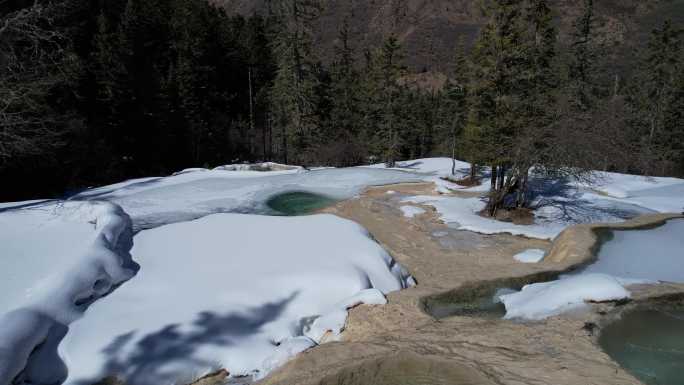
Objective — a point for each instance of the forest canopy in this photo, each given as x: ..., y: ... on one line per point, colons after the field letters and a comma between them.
x: 94, y: 92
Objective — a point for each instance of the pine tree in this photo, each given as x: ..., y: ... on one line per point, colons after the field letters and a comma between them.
x: 656, y: 100
x: 387, y: 70
x: 294, y: 88
x: 498, y: 63
x: 534, y: 138
x: 583, y: 59
x: 345, y: 136
x: 455, y: 106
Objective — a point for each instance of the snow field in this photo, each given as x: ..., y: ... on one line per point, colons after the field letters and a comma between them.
x: 244, y: 292
x: 58, y: 258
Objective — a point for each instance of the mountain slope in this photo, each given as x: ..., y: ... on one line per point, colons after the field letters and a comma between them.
x: 430, y: 29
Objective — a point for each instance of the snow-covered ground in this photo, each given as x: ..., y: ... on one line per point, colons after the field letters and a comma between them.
x: 57, y: 259
x: 541, y: 300
x: 630, y: 257
x: 242, y: 292
x: 558, y: 203
x: 153, y: 202
x: 655, y: 254
x: 245, y: 291
x: 235, y: 290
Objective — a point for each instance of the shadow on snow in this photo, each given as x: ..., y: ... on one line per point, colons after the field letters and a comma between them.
x: 166, y: 355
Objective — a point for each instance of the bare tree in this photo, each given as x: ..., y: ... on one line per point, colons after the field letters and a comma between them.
x: 33, y: 60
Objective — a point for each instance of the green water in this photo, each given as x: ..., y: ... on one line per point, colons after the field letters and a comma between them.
x: 467, y: 303
x: 298, y: 203
x: 649, y: 344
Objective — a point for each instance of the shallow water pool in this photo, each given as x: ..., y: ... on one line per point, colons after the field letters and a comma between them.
x: 649, y: 344
x: 298, y: 203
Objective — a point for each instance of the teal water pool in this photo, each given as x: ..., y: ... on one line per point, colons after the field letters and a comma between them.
x: 298, y: 203
x: 649, y: 344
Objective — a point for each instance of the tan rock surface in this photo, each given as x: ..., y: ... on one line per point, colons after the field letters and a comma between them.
x: 379, y: 339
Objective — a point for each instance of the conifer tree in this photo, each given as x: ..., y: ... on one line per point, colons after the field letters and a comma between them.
x: 455, y: 106
x: 656, y: 99
x: 345, y: 136
x: 534, y: 138
x: 498, y: 62
x: 387, y: 70
x: 293, y: 92
x: 583, y: 59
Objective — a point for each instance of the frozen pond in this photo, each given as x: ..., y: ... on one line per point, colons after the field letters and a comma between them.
x: 649, y: 344
x: 653, y: 254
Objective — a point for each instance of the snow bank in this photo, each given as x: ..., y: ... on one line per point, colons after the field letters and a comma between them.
x: 530, y: 256
x: 264, y: 166
x: 435, y: 170
x: 57, y: 260
x: 462, y: 213
x: 558, y: 203
x: 334, y: 321
x: 553, y: 214
x: 188, y: 196
x: 243, y: 292
x: 411, y: 211
x: 625, y: 185
x: 541, y: 300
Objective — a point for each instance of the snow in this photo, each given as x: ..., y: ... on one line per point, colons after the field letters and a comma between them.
x: 245, y: 292
x: 57, y: 259
x: 60, y: 257
x: 541, y: 300
x: 530, y: 256
x: 435, y: 170
x: 188, y: 196
x: 649, y: 254
x: 334, y: 320
x: 411, y: 211
x: 463, y: 214
x: 557, y: 203
x: 625, y: 185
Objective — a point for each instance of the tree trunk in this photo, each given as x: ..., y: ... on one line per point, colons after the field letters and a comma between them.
x: 252, y: 131
x: 502, y: 177
x: 521, y: 200
x: 284, y: 139
x: 453, y: 152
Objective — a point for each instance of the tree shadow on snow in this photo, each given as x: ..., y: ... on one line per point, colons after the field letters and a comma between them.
x: 571, y: 205
x: 164, y: 356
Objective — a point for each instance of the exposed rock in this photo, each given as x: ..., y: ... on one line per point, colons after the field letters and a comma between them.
x: 215, y: 378
x: 401, y: 338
